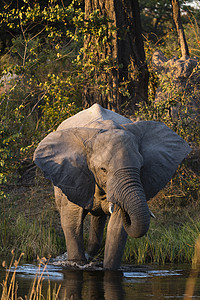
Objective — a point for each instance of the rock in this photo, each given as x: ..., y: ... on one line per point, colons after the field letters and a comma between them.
x: 180, y: 83
x: 7, y: 81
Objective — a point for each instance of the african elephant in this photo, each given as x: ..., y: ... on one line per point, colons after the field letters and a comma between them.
x: 103, y: 164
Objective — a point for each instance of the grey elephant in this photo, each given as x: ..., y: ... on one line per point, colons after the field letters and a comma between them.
x: 104, y: 164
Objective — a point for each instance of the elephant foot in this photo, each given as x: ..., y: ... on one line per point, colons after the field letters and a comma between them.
x: 95, y: 265
x: 80, y: 266
x: 76, y: 255
x: 75, y: 264
x: 80, y: 262
x: 72, y: 264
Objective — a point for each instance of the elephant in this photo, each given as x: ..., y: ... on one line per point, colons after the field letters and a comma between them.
x: 104, y: 164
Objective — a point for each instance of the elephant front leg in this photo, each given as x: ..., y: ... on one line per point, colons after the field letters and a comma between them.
x: 115, y: 241
x: 72, y: 217
x: 97, y: 224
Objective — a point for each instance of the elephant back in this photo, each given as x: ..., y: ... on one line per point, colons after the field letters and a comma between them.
x: 92, y: 118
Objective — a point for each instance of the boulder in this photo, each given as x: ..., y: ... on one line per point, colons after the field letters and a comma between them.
x: 179, y: 83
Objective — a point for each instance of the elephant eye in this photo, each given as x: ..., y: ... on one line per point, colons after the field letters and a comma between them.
x: 103, y: 169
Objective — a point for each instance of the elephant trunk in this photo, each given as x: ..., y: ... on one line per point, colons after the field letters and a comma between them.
x: 126, y: 190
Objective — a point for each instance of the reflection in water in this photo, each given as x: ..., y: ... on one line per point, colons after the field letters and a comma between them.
x: 131, y: 282
x: 93, y: 285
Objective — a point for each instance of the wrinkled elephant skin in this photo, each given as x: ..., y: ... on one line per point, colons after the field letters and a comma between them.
x: 103, y: 164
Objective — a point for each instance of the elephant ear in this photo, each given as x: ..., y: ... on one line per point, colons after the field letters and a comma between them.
x: 162, y: 150
x: 62, y: 157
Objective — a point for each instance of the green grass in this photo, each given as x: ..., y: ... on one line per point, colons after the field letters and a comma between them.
x: 30, y: 237
x: 30, y: 223
x: 164, y: 244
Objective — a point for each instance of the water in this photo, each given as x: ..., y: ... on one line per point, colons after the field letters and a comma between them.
x: 130, y: 282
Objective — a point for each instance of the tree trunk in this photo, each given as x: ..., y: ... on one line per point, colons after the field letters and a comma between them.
x: 127, y: 80
x: 179, y: 28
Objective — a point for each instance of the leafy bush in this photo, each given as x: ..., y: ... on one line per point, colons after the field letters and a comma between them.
x: 50, y: 66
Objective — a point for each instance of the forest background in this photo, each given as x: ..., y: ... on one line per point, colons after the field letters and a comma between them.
x: 43, y: 76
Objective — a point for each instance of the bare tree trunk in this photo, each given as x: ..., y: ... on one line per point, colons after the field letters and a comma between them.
x: 179, y: 28
x: 126, y: 50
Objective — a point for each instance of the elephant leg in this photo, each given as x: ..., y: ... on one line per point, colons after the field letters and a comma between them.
x: 72, y: 217
x: 97, y: 225
x: 115, y: 241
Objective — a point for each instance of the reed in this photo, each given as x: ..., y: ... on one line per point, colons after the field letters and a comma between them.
x: 10, y: 285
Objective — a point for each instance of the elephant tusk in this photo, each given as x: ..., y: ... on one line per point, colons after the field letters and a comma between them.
x: 111, y: 208
x: 152, y: 215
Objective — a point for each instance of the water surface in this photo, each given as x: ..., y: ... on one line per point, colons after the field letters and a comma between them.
x: 130, y: 282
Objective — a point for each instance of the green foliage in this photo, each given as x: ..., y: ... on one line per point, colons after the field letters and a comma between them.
x: 9, y: 150
x: 156, y: 17
x: 46, y: 70
x: 42, y: 91
x: 192, y: 29
x: 154, y: 14
x: 95, y: 61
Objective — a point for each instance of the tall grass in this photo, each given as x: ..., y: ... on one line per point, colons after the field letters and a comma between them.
x: 10, y: 286
x: 30, y: 237
x: 30, y: 223
x: 164, y: 244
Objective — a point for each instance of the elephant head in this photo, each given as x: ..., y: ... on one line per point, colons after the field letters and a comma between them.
x: 131, y: 163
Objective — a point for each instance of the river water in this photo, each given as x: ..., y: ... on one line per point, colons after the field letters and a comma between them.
x: 130, y: 282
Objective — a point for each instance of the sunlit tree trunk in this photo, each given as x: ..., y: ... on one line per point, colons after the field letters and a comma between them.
x: 127, y: 50
x: 179, y: 28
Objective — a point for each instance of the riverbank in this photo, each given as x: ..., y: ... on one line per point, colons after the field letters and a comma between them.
x: 30, y: 224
